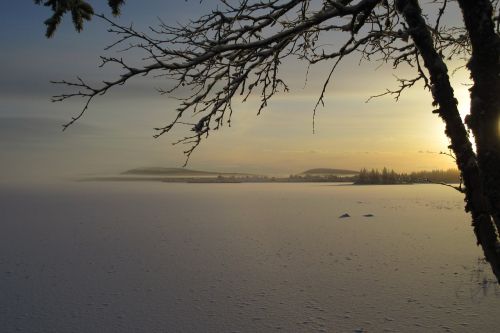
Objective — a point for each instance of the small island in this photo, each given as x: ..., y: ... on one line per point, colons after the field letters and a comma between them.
x: 321, y: 175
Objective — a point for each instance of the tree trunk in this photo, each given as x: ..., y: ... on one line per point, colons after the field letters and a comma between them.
x: 484, y: 118
x: 442, y: 92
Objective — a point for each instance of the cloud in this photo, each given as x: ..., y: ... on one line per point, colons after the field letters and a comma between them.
x: 38, y: 131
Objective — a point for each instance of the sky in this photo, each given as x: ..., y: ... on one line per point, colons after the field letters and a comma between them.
x: 116, y: 132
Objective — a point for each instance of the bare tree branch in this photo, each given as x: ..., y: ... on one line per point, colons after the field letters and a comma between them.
x: 238, y: 50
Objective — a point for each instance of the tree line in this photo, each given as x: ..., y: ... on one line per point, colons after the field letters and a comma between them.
x: 386, y: 176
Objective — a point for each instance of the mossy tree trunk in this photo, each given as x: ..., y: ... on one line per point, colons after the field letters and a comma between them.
x: 484, y: 118
x: 476, y: 190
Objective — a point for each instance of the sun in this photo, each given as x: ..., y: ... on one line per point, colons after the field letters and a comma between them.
x: 463, y: 96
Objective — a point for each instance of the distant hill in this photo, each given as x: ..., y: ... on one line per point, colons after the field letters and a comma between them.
x: 177, y: 172
x: 327, y: 171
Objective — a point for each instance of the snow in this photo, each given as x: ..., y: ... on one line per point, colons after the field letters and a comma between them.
x: 121, y: 257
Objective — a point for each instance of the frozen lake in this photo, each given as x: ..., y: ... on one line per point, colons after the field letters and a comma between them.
x: 153, y: 257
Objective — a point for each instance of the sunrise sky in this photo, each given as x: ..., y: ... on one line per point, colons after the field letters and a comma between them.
x: 116, y: 133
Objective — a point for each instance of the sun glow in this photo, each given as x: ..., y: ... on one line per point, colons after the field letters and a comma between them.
x: 498, y: 128
x: 463, y: 96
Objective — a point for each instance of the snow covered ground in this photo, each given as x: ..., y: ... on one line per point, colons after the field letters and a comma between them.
x: 153, y: 257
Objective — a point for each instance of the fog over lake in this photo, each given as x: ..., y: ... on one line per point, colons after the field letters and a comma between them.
x: 155, y: 257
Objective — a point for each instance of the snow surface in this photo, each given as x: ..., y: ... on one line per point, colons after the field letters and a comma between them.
x: 153, y: 257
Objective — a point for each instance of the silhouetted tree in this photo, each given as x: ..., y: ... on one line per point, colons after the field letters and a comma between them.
x: 374, y: 177
x: 238, y: 48
x: 393, y: 177
x: 80, y: 11
x: 385, y: 176
x: 362, y: 176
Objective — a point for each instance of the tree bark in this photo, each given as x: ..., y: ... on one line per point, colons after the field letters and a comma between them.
x: 484, y: 118
x: 442, y: 92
